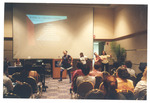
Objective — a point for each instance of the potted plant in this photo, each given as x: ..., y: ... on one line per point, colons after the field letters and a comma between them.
x: 119, y: 52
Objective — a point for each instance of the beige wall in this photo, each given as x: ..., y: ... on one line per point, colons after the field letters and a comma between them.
x: 129, y: 20
x: 103, y: 23
x: 136, y: 47
x: 139, y: 43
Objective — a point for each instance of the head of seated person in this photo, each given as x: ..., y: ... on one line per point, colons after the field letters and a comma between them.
x: 26, y: 69
x: 79, y: 65
x: 128, y: 64
x: 97, y: 66
x: 122, y: 72
x: 5, y: 68
x: 110, y: 86
x: 96, y: 70
x: 142, y: 66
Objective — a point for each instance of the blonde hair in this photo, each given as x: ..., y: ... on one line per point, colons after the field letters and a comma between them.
x: 144, y: 75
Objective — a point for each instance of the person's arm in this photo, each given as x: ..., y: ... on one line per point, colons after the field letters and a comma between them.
x: 9, y: 85
x: 60, y: 62
x: 109, y: 56
x: 71, y: 60
x: 95, y: 60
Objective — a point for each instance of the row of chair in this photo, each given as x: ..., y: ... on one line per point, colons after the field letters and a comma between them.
x: 25, y: 88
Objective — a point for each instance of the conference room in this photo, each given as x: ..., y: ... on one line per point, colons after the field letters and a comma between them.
x: 75, y: 51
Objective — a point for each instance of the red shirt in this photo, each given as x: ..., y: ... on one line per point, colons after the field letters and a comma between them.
x: 75, y: 74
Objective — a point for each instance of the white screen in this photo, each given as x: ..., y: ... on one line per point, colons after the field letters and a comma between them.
x: 45, y: 31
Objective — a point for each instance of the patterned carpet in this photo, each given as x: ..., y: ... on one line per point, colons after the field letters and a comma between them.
x: 56, y: 89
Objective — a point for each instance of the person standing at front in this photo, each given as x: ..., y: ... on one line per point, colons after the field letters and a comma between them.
x: 105, y: 64
x: 67, y: 62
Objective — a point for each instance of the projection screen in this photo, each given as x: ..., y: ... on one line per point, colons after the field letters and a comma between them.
x: 45, y: 31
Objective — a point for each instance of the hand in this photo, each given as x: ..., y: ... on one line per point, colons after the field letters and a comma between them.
x: 71, y: 63
x: 59, y: 64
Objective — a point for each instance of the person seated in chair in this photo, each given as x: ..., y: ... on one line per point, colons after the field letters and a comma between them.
x: 76, y: 73
x: 122, y: 78
x: 142, y: 67
x: 141, y: 87
x: 129, y: 68
x: 6, y: 80
x: 86, y: 77
x: 109, y: 87
x: 96, y: 70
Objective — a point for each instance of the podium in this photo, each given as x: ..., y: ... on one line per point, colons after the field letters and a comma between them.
x: 56, y: 70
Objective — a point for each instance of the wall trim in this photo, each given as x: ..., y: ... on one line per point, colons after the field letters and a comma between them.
x: 8, y: 38
x: 124, y: 37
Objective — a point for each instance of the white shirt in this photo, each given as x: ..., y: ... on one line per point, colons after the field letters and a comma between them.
x: 140, y: 86
x: 7, y: 83
x: 88, y: 78
x: 83, y: 59
x: 131, y: 71
x: 104, y: 58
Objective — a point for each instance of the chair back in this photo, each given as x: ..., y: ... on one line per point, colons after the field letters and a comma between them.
x: 95, y: 94
x: 32, y: 82
x: 129, y: 95
x: 98, y: 81
x: 16, y: 77
x: 142, y: 95
x: 23, y: 90
x: 10, y: 95
x: 84, y: 87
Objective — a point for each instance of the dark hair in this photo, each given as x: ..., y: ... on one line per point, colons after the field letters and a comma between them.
x: 128, y: 64
x: 122, y: 72
x: 86, y: 68
x: 142, y: 66
x: 95, y: 94
x: 5, y: 67
x: 81, y: 53
x: 110, y: 82
x: 105, y: 53
x: 116, y: 65
x: 79, y: 65
x: 110, y: 85
x: 97, y: 65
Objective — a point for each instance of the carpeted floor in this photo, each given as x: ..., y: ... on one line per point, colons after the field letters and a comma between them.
x: 56, y: 89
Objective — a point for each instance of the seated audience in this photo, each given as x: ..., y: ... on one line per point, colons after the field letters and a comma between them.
x: 7, y: 61
x: 86, y: 77
x: 96, y: 70
x: 27, y: 71
x: 141, y: 87
x: 109, y: 87
x: 142, y: 67
x: 105, y: 74
x: 6, y: 80
x: 122, y: 78
x: 114, y: 68
x: 129, y: 68
x: 76, y: 73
